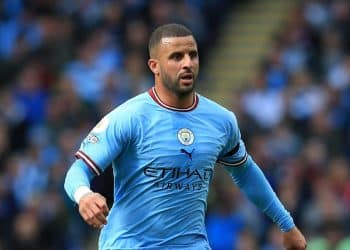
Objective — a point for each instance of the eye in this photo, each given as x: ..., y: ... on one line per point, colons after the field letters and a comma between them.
x: 193, y: 54
x: 176, y: 56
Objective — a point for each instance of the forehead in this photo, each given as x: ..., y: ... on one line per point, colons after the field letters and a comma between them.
x: 170, y: 44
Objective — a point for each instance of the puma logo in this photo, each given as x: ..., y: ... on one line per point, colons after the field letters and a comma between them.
x: 189, y: 154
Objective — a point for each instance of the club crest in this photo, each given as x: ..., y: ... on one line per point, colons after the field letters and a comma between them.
x: 91, y: 138
x: 185, y: 136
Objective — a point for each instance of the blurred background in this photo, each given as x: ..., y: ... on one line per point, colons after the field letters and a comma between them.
x: 282, y: 66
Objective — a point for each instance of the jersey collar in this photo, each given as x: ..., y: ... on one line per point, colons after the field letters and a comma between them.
x: 152, y: 92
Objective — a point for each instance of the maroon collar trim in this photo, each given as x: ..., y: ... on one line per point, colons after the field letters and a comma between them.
x: 152, y: 92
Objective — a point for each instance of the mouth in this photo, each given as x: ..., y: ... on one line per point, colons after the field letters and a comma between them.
x: 187, y: 78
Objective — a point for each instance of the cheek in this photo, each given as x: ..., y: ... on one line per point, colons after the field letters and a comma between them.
x: 196, y: 62
x: 172, y: 68
x: 196, y: 67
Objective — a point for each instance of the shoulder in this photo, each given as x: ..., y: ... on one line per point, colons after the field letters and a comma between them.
x: 125, y: 115
x: 133, y: 106
x: 213, y: 108
x: 221, y: 118
x: 218, y: 115
x: 132, y: 112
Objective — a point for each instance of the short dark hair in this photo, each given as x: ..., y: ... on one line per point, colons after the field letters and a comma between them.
x: 167, y: 30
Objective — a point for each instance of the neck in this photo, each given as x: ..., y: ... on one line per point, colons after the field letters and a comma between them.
x: 174, y: 100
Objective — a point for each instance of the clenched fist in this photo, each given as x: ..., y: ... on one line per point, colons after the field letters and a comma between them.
x: 294, y: 240
x: 94, y: 210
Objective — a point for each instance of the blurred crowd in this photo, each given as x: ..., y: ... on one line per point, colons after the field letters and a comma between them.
x: 64, y: 64
x: 294, y: 114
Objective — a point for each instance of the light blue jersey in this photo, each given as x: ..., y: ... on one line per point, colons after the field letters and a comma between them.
x: 163, y: 160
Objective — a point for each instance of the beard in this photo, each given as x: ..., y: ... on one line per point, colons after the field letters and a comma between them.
x: 175, y: 87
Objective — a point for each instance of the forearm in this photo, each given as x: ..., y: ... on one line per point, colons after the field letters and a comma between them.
x: 251, y: 180
x: 78, y: 176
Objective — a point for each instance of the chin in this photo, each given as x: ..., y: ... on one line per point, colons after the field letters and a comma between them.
x: 187, y: 86
x: 186, y: 89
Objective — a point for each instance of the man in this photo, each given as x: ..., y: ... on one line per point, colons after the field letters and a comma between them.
x: 163, y: 146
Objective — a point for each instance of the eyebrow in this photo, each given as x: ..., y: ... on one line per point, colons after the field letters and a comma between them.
x: 175, y: 53
x: 181, y: 52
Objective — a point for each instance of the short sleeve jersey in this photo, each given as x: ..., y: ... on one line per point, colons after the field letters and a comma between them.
x: 163, y: 160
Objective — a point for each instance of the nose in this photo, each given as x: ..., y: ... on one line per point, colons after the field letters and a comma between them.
x: 187, y: 62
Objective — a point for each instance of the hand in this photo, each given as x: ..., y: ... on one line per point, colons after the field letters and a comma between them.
x: 294, y: 240
x: 94, y: 210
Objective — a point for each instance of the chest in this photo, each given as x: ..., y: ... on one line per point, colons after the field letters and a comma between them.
x: 177, y: 140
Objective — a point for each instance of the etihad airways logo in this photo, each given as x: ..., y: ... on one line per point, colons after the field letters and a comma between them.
x: 179, y: 179
x: 175, y: 173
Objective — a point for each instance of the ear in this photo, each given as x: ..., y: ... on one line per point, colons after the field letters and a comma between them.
x: 154, y: 66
